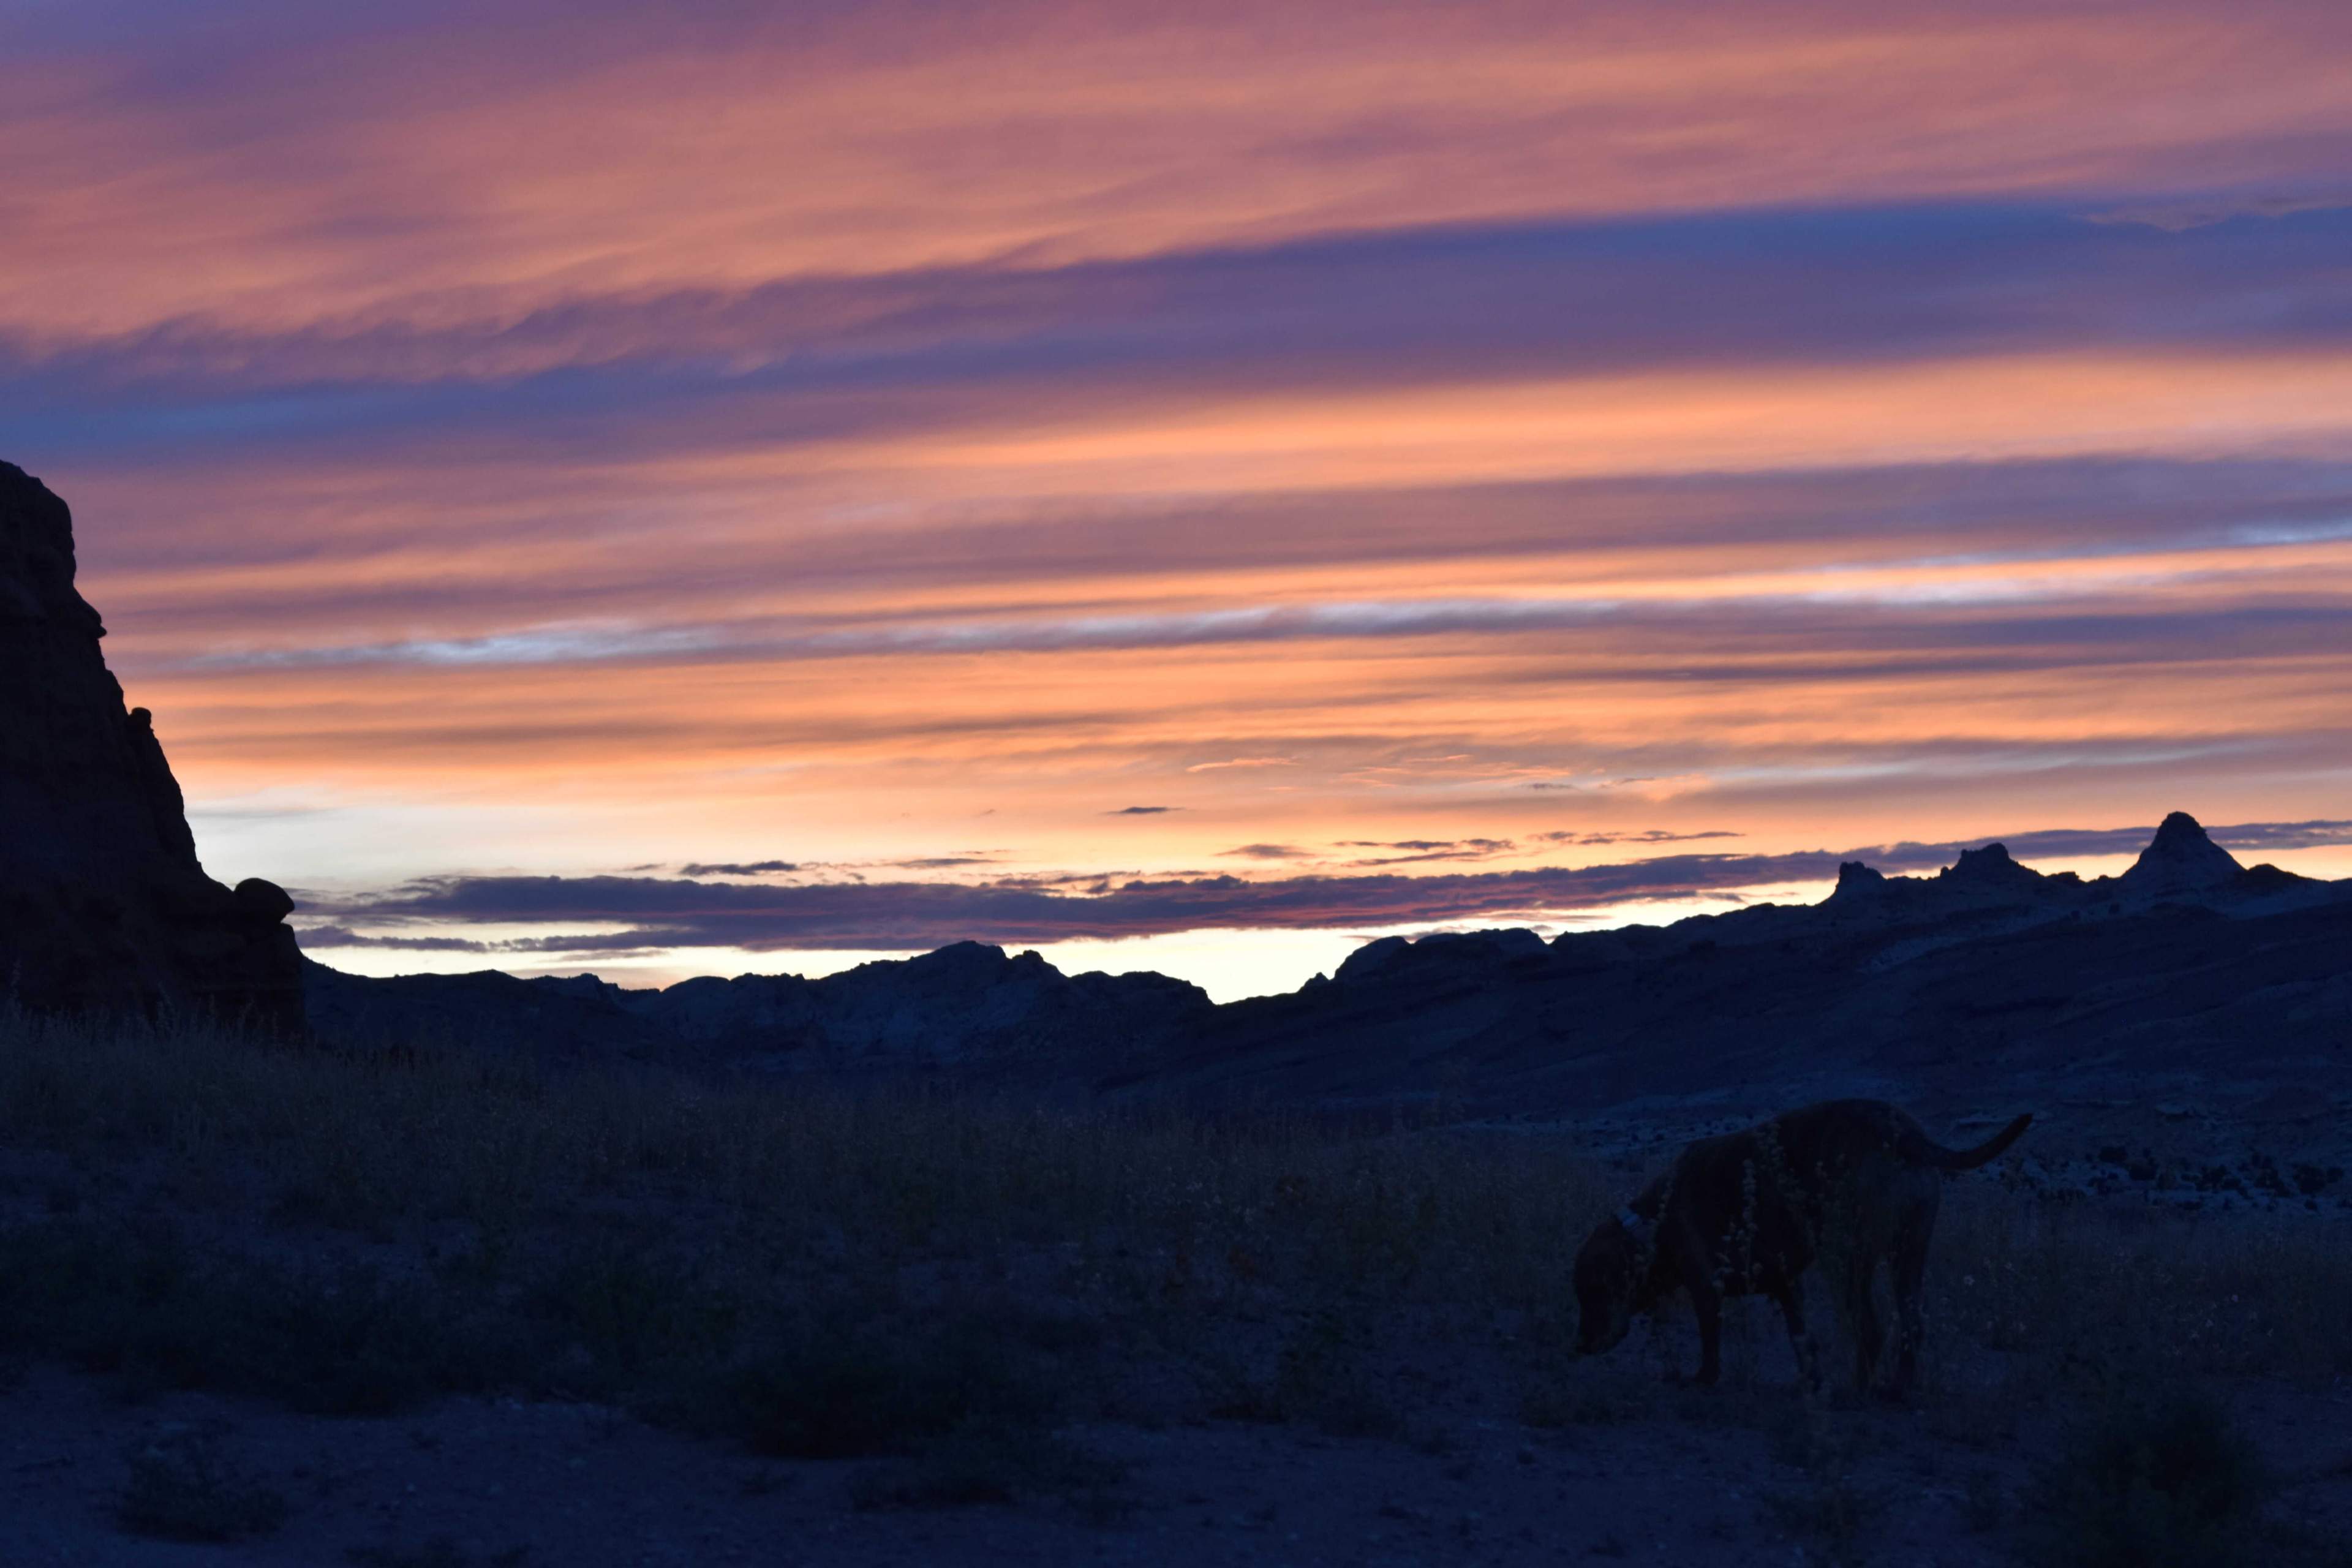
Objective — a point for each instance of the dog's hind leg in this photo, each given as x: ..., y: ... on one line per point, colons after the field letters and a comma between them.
x: 1790, y: 1295
x: 1908, y: 1266
x: 1862, y: 1316
x: 1708, y: 1302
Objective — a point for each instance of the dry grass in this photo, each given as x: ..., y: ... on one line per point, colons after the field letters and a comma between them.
x: 395, y: 1146
x: 2103, y: 1292
x: 353, y: 1231
x: 815, y: 1274
x: 181, y: 1488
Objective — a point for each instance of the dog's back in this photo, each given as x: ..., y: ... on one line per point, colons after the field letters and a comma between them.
x: 1835, y: 1143
x: 1789, y: 1172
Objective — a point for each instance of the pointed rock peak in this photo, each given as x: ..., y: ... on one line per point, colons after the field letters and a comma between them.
x: 1856, y: 880
x: 2179, y: 828
x: 1990, y: 866
x: 2181, y: 858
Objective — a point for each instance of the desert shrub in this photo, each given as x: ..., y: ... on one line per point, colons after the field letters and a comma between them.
x: 1321, y: 1371
x: 137, y: 1300
x: 357, y: 1343
x: 2152, y: 1482
x: 88, y: 1292
x: 181, y: 1488
x: 832, y: 1387
x: 632, y: 1310
x: 1831, y: 1513
x: 1324, y: 1375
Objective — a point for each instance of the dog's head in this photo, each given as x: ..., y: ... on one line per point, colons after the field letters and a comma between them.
x: 1608, y: 1270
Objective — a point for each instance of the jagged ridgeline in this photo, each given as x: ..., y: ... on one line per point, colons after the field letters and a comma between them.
x: 103, y: 906
x: 2189, y: 980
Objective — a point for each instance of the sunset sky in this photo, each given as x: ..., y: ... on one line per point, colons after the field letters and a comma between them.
x: 714, y: 487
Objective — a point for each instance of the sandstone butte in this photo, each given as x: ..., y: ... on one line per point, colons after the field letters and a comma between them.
x: 103, y: 905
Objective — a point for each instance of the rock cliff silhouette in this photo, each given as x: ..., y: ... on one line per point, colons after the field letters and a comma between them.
x: 103, y: 904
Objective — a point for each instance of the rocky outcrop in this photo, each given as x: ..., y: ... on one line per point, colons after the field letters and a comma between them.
x: 2181, y: 859
x: 103, y: 905
x: 1991, y: 874
x: 1859, y: 886
x: 966, y: 1004
x: 1459, y: 952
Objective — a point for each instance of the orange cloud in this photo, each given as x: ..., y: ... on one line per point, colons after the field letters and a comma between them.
x: 316, y: 180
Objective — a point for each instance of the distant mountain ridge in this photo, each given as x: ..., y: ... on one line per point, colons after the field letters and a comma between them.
x: 2182, y: 1032
x: 965, y: 1005
x: 2188, y: 976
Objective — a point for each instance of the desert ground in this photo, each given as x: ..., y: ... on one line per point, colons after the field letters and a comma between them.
x: 266, y: 1303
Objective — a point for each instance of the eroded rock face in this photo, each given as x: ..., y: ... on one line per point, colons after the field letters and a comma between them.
x: 103, y: 905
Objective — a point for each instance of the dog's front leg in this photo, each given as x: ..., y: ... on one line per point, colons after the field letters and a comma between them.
x: 1708, y: 1302
x: 1791, y: 1297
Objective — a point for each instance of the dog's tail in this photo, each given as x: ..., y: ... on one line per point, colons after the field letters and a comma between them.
x: 1922, y: 1149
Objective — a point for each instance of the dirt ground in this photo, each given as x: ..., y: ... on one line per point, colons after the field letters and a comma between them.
x: 1638, y: 1472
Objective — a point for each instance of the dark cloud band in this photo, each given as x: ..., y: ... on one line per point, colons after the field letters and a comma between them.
x: 899, y: 916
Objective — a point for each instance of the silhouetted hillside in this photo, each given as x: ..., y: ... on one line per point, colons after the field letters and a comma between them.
x: 965, y: 1007
x: 2189, y: 989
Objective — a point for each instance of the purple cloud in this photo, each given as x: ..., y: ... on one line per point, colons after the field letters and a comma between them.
x: 908, y: 915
